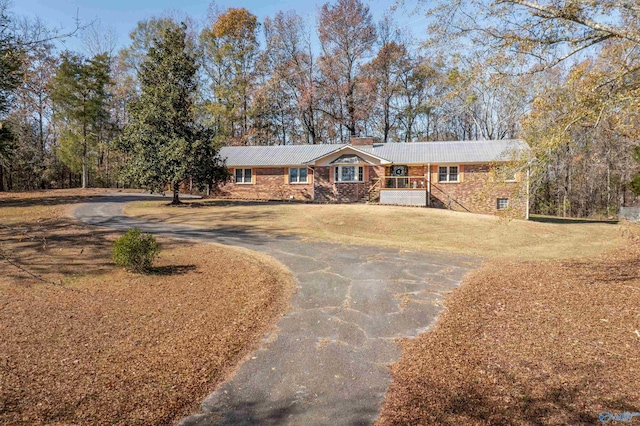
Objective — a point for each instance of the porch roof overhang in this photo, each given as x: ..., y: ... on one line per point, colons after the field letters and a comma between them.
x: 366, y: 157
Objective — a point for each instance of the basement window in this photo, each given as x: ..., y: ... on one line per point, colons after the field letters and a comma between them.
x: 298, y: 175
x: 348, y: 174
x: 448, y: 174
x: 503, y: 203
x: 243, y: 176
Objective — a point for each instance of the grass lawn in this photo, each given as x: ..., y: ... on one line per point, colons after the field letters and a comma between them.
x: 546, y: 332
x: 84, y: 342
x: 396, y: 227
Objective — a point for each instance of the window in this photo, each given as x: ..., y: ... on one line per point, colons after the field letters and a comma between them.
x: 448, y: 174
x: 443, y: 175
x: 298, y: 175
x: 503, y: 203
x: 453, y: 173
x: 243, y: 176
x: 348, y: 174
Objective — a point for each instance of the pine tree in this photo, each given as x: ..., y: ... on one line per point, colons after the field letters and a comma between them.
x: 80, y: 97
x: 163, y: 142
x: 9, y: 59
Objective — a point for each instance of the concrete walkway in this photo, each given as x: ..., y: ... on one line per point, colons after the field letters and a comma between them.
x: 327, y: 362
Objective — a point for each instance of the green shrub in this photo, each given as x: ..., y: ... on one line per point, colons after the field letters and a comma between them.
x: 135, y: 251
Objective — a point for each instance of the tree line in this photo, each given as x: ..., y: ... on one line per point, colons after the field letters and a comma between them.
x: 558, y: 75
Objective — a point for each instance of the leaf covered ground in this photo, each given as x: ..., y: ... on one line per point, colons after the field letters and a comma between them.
x: 531, y: 343
x: 84, y: 342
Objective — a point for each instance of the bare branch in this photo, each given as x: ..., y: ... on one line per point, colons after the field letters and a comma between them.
x: 569, y: 15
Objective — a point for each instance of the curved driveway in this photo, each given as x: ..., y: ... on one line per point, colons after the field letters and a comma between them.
x: 327, y: 361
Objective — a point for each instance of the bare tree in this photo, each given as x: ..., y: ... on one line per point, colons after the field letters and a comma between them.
x: 347, y: 35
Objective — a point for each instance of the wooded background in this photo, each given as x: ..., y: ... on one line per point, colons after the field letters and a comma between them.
x: 561, y: 75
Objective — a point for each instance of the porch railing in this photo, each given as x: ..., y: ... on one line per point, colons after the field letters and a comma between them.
x: 405, y: 182
x: 374, y: 190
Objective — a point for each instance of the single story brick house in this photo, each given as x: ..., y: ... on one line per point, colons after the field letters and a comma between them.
x: 451, y: 175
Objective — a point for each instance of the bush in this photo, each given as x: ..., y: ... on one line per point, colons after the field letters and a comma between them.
x: 135, y: 251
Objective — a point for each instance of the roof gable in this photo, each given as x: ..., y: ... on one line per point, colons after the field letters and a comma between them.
x: 348, y: 159
x: 328, y: 158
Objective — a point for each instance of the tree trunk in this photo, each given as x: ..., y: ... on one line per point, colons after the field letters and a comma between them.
x: 85, y: 174
x: 176, y: 193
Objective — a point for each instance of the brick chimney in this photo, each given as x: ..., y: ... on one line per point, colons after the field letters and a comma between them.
x: 364, y: 141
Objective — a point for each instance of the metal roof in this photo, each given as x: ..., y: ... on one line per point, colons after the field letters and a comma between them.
x: 275, y: 155
x: 448, y: 152
x: 398, y: 153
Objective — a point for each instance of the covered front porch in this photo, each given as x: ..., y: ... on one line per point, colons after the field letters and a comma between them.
x: 405, y: 185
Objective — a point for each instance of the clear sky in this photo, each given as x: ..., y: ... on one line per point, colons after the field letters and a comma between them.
x: 123, y: 15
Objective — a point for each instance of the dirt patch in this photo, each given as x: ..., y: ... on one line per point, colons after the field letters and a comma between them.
x: 82, y: 341
x: 527, y: 343
x: 395, y: 227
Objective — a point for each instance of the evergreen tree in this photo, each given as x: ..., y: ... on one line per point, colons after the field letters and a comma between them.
x: 9, y: 59
x: 80, y: 97
x: 9, y: 80
x: 163, y: 142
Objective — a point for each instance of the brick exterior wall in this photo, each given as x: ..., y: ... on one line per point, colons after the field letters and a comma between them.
x: 472, y: 193
x: 328, y: 191
x: 475, y: 193
x: 363, y: 141
x: 324, y: 190
x: 268, y: 184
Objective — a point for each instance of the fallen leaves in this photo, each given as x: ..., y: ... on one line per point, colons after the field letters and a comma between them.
x: 527, y: 343
x: 133, y: 349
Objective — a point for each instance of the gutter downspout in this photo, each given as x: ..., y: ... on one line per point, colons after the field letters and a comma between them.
x: 428, y: 184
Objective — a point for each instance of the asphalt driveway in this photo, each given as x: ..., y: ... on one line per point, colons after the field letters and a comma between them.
x: 327, y: 360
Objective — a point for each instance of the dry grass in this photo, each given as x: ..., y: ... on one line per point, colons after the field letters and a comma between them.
x: 522, y: 341
x: 38, y: 205
x: 111, y: 346
x: 528, y: 339
x: 396, y: 227
x: 527, y: 343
